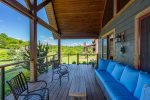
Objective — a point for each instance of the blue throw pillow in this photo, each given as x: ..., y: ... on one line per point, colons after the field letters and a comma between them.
x: 117, y: 72
x: 129, y: 78
x: 143, y: 79
x: 111, y: 66
x: 102, y: 64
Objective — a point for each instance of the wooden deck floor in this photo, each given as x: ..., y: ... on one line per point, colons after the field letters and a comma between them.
x: 58, y: 92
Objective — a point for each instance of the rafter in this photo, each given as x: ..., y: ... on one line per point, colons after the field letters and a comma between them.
x: 21, y: 9
x: 18, y: 7
x: 29, y: 5
x: 43, y: 23
x: 43, y: 4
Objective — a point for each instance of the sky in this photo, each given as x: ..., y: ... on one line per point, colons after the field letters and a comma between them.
x: 16, y: 25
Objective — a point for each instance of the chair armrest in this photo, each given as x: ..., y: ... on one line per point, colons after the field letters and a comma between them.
x: 145, y: 92
x: 66, y: 67
x: 39, y: 90
x: 31, y: 95
x: 41, y: 82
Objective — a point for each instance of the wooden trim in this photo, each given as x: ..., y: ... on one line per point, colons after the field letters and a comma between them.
x: 120, y: 12
x: 108, y: 33
x: 137, y: 35
x: 55, y: 18
x: 113, y: 31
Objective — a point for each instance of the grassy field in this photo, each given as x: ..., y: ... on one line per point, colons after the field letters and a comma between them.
x: 4, y: 54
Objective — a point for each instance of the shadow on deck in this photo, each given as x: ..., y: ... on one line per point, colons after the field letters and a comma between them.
x: 58, y: 92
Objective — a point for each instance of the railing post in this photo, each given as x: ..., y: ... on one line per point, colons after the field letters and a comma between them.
x: 87, y: 59
x: 46, y: 63
x: 3, y: 84
x: 68, y: 59
x: 77, y: 59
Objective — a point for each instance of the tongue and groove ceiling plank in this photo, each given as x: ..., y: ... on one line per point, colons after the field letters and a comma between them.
x: 76, y: 18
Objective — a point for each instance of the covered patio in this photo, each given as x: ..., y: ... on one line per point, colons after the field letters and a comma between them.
x: 121, y: 29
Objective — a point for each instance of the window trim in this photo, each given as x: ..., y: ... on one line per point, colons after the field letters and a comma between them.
x: 137, y: 36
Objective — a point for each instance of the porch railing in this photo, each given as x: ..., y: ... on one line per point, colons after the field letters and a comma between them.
x: 79, y: 58
x: 3, y: 72
x: 69, y: 59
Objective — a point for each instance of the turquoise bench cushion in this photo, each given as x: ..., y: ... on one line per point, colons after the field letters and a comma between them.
x: 143, y: 79
x: 129, y: 78
x: 117, y: 91
x: 117, y: 72
x: 102, y: 64
x: 104, y: 76
x: 111, y: 66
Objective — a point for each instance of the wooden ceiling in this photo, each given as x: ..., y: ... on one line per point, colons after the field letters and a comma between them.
x: 76, y: 18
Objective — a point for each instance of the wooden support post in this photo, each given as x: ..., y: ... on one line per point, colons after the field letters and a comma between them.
x: 3, y: 83
x: 33, y: 43
x: 59, y: 50
x: 77, y: 59
x: 68, y: 59
x: 97, y: 58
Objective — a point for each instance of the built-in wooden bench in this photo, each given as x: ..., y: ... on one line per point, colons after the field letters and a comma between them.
x: 78, y: 88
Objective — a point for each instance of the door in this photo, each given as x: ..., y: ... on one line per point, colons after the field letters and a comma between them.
x: 144, y: 26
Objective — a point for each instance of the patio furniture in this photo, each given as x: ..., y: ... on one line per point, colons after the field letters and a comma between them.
x: 59, y: 69
x: 78, y: 88
x: 20, y: 89
x: 122, y: 82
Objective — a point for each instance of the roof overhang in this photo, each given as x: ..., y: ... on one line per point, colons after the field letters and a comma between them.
x: 76, y: 19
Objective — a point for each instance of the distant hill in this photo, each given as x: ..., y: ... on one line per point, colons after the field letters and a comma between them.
x: 11, y: 43
x: 8, y: 42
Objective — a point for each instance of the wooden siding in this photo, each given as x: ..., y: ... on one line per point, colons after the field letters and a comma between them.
x: 125, y: 23
x: 58, y: 92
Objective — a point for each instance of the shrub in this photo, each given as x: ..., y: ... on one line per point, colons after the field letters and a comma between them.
x: 90, y: 62
x: 73, y: 62
x: 84, y: 62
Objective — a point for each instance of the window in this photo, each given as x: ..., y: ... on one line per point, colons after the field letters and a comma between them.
x: 121, y: 4
x: 104, y: 48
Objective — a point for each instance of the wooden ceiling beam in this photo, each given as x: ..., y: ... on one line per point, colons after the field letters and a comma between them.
x: 43, y: 23
x: 18, y: 7
x: 43, y: 4
x: 29, y: 5
x: 21, y: 9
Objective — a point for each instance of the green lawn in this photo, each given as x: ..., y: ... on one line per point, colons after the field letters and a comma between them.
x: 4, y: 54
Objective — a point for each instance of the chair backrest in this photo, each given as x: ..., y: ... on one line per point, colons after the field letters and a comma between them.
x: 18, y: 85
x: 55, y: 64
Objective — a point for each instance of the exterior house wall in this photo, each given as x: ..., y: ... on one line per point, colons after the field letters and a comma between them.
x: 125, y: 23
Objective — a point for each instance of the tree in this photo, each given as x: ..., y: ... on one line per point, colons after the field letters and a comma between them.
x: 42, y: 52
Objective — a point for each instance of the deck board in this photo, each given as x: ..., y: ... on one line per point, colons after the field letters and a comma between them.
x: 58, y: 92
